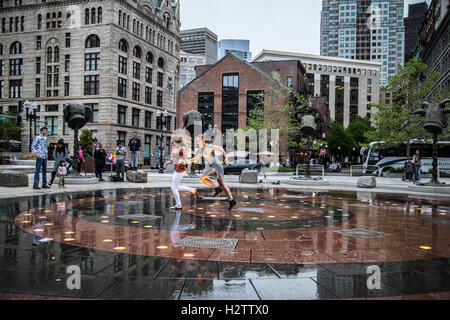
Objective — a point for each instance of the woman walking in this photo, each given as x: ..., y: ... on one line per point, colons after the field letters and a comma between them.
x: 59, y: 154
x: 417, y: 161
x: 179, y: 159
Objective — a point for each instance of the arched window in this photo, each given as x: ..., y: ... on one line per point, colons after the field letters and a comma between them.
x: 16, y: 25
x: 150, y: 57
x: 134, y: 25
x: 137, y: 52
x: 49, y: 55
x: 142, y: 29
x: 93, y: 16
x: 86, y: 16
x: 99, y: 15
x: 120, y: 17
x: 93, y: 41
x: 39, y: 22
x: 22, y: 23
x: 124, y: 20
x: 128, y: 23
x: 56, y: 54
x: 1, y: 49
x: 16, y: 48
x: 161, y: 63
x: 123, y: 45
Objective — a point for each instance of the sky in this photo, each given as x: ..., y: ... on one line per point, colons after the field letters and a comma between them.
x: 283, y: 25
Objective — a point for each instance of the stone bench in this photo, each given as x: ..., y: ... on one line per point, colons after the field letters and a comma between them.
x: 137, y: 177
x: 249, y: 176
x: 13, y: 179
x: 367, y: 182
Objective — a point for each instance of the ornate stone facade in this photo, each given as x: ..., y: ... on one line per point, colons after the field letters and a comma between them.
x: 78, y: 50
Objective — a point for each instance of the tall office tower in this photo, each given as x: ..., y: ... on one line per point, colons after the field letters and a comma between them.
x: 416, y: 16
x: 201, y: 42
x: 119, y: 57
x: 241, y: 48
x: 364, y: 30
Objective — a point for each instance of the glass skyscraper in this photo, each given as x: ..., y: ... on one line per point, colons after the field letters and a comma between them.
x: 364, y: 30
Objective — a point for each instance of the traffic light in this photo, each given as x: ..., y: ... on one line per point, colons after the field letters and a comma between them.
x: 20, y: 107
x: 19, y: 113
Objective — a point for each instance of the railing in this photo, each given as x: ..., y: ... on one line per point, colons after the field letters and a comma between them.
x: 442, y: 169
x: 364, y: 169
x: 313, y: 167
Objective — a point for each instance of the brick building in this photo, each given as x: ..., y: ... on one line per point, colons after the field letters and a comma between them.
x: 224, y: 92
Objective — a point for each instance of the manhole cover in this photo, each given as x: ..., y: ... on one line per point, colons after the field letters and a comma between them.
x: 210, y: 243
x: 361, y: 233
x: 138, y: 217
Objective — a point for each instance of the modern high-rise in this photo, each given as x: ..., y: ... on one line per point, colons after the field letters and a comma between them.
x: 188, y: 62
x: 119, y: 57
x: 413, y: 23
x: 364, y: 30
x: 241, y: 48
x: 201, y: 42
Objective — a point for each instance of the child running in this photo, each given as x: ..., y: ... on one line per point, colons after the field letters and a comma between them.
x: 213, y: 167
x: 179, y: 159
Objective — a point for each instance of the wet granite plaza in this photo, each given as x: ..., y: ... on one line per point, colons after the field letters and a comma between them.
x: 281, y: 244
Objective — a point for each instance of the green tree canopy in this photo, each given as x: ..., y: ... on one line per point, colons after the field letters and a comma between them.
x: 396, y: 123
x: 358, y: 129
x: 9, y: 130
x: 340, y: 138
x: 86, y: 142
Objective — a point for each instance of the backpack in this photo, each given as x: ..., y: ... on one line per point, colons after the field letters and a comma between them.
x: 115, y: 178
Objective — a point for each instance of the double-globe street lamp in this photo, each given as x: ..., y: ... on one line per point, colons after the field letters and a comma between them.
x: 31, y: 117
x: 161, y: 119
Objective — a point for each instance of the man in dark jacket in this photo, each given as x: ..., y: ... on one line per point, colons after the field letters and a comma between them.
x: 100, y: 161
x: 134, y: 147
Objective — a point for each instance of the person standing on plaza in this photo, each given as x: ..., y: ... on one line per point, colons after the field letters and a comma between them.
x: 59, y: 154
x: 39, y: 148
x: 120, y: 162
x: 134, y: 146
x: 213, y: 167
x: 179, y: 159
x: 62, y: 173
x: 417, y: 161
x: 80, y: 159
x: 100, y: 161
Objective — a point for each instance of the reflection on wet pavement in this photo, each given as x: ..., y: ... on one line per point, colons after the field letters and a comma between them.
x: 287, y: 249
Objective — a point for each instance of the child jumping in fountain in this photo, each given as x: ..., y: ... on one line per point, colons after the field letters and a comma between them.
x: 213, y: 167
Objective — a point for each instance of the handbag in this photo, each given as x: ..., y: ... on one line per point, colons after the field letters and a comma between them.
x: 180, y: 167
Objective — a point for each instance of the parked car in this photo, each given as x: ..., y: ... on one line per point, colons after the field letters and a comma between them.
x: 10, y: 146
x: 236, y: 167
x: 335, y: 167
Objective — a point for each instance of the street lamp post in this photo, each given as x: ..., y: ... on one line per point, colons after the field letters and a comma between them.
x: 31, y: 117
x: 162, y: 120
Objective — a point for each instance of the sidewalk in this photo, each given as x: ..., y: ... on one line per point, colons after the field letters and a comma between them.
x: 155, y: 180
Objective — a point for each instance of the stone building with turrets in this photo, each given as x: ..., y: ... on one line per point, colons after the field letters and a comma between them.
x: 119, y: 56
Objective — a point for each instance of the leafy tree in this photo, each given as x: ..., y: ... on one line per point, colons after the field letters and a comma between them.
x: 9, y: 130
x: 396, y: 123
x: 86, y: 142
x: 340, y: 141
x: 358, y: 129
